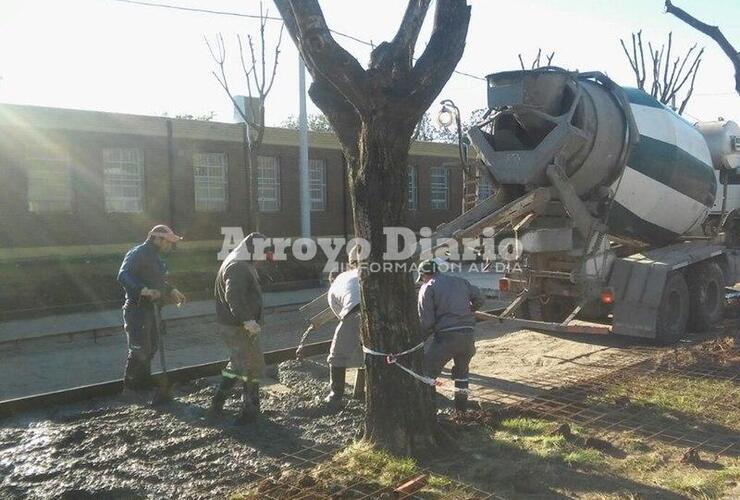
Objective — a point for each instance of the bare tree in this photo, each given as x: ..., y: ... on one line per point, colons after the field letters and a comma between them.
x: 536, y: 62
x: 712, y: 32
x: 259, y: 74
x: 374, y: 112
x: 666, y: 79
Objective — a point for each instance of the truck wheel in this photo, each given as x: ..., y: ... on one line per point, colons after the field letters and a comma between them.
x: 706, y: 283
x: 673, y: 313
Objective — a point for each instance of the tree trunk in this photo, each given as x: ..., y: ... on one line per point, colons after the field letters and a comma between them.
x: 400, y: 417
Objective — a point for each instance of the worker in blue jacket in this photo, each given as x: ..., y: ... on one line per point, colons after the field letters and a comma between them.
x: 143, y: 275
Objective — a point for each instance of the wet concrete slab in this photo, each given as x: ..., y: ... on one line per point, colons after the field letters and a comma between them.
x: 26, y: 329
x: 59, y: 362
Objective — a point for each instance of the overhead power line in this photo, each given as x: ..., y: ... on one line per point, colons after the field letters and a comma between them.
x: 255, y: 16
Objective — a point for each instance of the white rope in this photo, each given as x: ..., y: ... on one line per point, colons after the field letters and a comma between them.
x: 392, y: 359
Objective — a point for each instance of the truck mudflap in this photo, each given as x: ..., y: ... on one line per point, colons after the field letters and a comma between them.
x: 573, y: 326
x: 638, y: 282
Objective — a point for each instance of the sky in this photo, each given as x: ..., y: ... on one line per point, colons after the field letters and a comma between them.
x: 109, y: 55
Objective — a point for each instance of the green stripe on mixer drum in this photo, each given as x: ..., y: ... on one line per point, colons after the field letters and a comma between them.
x: 637, y: 96
x: 675, y: 168
x: 626, y: 224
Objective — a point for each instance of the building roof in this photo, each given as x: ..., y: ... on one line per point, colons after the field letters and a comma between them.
x: 41, y: 117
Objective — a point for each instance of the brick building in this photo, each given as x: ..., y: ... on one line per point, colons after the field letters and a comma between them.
x: 71, y: 178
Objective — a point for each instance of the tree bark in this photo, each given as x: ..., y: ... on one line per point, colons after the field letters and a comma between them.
x: 373, y: 113
x: 400, y: 412
x: 712, y: 32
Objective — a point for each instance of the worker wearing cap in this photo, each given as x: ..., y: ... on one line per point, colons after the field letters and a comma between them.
x: 239, y: 322
x: 446, y: 311
x: 143, y: 275
x: 346, y: 347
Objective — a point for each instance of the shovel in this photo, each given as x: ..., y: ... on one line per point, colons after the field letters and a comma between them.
x: 162, y: 394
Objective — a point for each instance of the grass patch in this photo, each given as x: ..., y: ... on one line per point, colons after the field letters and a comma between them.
x: 674, y: 394
x: 361, y: 460
x: 523, y: 426
x: 703, y: 485
x: 583, y: 457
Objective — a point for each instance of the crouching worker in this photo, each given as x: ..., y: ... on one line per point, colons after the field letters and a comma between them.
x: 446, y: 310
x: 143, y: 275
x: 239, y: 317
x: 346, y: 347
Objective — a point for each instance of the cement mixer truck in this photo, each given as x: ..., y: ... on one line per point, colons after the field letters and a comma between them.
x: 606, y: 191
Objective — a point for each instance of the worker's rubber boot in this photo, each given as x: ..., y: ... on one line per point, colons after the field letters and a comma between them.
x: 255, y: 396
x: 248, y: 413
x: 461, y: 395
x: 136, y: 377
x: 336, y: 384
x: 359, y: 392
x: 221, y: 395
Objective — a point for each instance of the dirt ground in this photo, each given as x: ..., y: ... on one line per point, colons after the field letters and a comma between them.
x: 119, y: 448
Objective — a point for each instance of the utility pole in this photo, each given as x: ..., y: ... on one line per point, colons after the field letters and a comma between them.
x: 303, y: 152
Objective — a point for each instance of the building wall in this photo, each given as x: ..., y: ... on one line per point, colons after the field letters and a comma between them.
x: 81, y: 136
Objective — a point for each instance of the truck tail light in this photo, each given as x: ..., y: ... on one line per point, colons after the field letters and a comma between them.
x: 503, y: 285
x: 607, y: 296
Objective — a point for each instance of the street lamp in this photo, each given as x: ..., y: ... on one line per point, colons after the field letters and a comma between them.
x: 448, y: 113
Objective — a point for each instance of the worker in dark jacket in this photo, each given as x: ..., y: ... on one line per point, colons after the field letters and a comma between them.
x: 446, y: 310
x: 239, y: 322
x: 143, y: 275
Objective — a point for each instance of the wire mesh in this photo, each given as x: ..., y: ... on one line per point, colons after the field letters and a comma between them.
x: 574, y: 396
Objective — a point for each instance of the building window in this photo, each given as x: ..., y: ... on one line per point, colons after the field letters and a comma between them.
x: 317, y: 184
x: 485, y: 188
x: 268, y: 183
x: 413, y: 189
x: 440, y: 188
x: 49, y: 185
x: 210, y: 182
x: 123, y: 182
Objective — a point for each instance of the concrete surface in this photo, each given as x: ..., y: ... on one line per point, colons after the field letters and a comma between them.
x: 49, y: 354
x: 27, y: 329
x: 55, y: 363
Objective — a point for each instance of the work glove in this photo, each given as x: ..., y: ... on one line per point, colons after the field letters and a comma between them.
x: 150, y: 293
x: 252, y: 328
x: 178, y: 297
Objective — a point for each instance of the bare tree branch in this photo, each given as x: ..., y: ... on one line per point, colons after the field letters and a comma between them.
x: 275, y: 63
x: 445, y: 48
x: 691, y: 89
x: 712, y: 32
x: 641, y: 80
x: 633, y: 60
x: 536, y: 62
x: 400, y: 50
x: 322, y: 54
x: 667, y: 62
x: 690, y: 73
x: 666, y: 81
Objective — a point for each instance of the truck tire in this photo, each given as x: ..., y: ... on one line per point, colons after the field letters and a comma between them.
x: 706, y: 283
x: 673, y: 312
